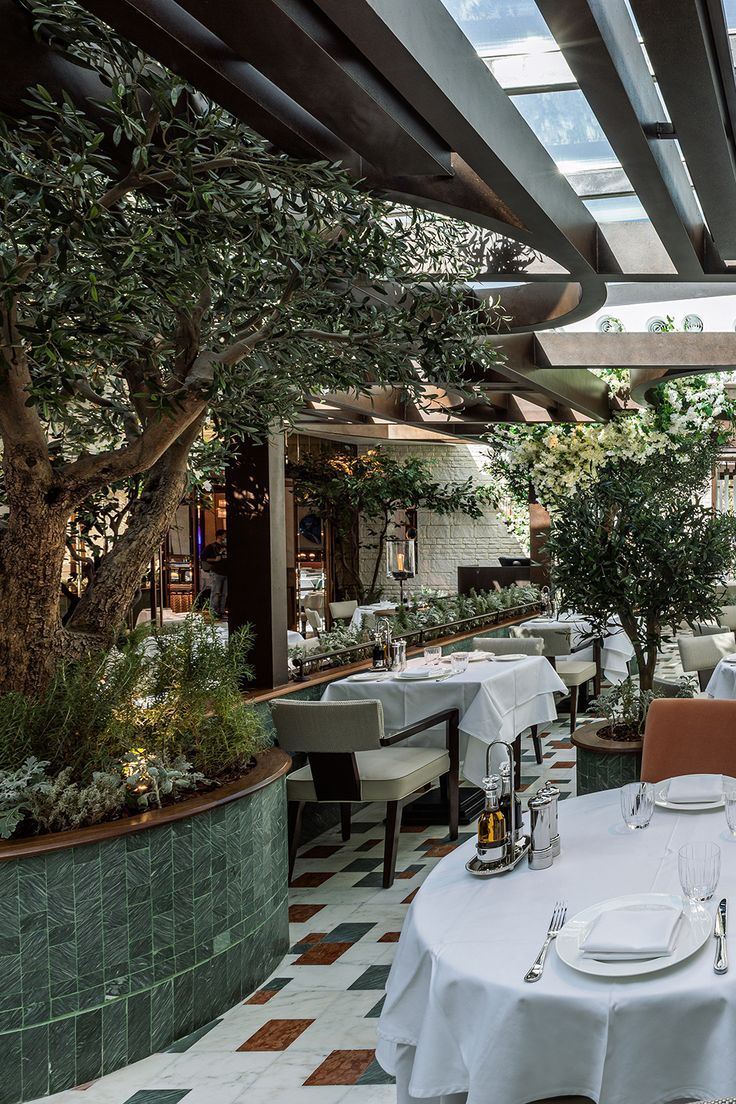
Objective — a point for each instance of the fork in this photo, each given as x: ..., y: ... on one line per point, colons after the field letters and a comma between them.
x: 558, y: 919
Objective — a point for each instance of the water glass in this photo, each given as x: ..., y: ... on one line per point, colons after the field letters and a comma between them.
x: 730, y: 799
x: 432, y: 655
x: 458, y: 663
x: 637, y: 804
x: 700, y: 868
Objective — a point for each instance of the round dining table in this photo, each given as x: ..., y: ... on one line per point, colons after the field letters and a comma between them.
x: 460, y: 1025
x: 722, y: 683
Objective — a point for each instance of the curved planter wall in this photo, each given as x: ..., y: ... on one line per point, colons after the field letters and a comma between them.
x: 119, y: 939
x: 604, y: 764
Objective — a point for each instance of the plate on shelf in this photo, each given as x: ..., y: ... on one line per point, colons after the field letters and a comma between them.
x: 695, y: 928
x: 660, y: 798
x: 510, y: 657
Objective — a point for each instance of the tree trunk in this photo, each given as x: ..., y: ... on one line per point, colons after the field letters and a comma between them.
x: 31, y: 558
x: 104, y: 604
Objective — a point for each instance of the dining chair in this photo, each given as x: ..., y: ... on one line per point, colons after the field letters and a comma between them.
x: 689, y: 736
x: 727, y: 617
x: 505, y: 645
x: 350, y: 758
x: 707, y: 628
x: 702, y: 653
x: 343, y: 611
x: 314, y: 619
x: 557, y: 647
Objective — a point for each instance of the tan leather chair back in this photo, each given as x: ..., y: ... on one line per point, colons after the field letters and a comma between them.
x: 689, y: 736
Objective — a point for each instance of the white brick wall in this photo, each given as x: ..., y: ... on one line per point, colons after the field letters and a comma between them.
x: 446, y: 543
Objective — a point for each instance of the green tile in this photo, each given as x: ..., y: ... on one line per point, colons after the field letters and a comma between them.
x: 188, y: 1041
x: 157, y: 1096
x: 162, y: 1015
x: 139, y: 1026
x: 114, y: 1035
x: 89, y: 1045
x: 62, y: 1054
x: 35, y: 1061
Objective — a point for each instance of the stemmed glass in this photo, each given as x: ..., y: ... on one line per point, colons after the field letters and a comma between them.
x: 637, y: 804
x: 432, y: 655
x: 699, y: 865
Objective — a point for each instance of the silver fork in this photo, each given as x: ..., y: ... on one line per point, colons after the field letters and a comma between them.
x: 558, y: 919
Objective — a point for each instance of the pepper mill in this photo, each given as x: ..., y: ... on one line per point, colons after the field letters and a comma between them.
x: 540, y: 855
x: 552, y: 792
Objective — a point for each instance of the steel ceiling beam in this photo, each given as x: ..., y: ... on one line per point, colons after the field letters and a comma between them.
x: 681, y: 43
x: 293, y: 44
x: 165, y: 31
x: 422, y: 52
x: 600, y: 44
x: 540, y: 361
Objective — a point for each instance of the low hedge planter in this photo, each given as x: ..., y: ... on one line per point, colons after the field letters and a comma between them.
x: 119, y: 939
x: 604, y: 764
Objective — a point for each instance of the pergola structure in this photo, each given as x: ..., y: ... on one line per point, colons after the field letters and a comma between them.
x: 459, y: 115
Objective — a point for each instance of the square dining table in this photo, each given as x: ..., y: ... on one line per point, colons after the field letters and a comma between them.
x: 497, y: 700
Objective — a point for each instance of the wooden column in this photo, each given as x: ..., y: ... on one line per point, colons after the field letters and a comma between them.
x: 256, y: 538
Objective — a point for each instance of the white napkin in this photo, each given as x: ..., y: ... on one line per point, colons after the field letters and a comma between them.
x: 637, y: 932
x: 689, y: 788
x: 416, y: 673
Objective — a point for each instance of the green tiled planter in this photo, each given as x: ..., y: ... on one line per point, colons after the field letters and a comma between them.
x: 118, y: 939
x: 604, y: 764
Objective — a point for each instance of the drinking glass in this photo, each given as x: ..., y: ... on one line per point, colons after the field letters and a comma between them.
x: 432, y: 655
x: 699, y: 865
x: 730, y: 799
x: 458, y: 663
x: 637, y: 804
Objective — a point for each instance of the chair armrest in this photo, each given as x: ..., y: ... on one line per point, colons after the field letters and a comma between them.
x: 447, y: 716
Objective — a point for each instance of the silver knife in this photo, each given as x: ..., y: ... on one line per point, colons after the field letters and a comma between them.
x: 721, y: 963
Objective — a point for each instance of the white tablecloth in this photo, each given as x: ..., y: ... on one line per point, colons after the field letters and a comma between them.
x: 496, y: 700
x: 458, y: 1017
x: 722, y: 683
x: 616, y: 650
x: 357, y: 619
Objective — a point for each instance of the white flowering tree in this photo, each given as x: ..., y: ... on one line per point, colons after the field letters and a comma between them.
x: 632, y: 535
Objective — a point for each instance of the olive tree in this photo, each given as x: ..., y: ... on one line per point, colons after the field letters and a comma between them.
x: 169, y: 284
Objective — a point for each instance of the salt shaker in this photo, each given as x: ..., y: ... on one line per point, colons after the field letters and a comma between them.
x: 551, y: 791
x: 540, y: 811
x: 398, y: 655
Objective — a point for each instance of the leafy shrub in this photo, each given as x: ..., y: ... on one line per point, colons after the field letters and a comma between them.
x: 625, y: 706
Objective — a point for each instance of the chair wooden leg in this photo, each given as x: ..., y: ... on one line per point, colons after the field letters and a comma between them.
x: 573, y: 708
x: 517, y: 761
x: 345, y: 811
x: 295, y: 808
x: 391, y: 847
x: 537, y: 743
x: 453, y: 819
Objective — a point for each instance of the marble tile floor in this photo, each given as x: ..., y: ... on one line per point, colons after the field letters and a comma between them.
x: 308, y: 1035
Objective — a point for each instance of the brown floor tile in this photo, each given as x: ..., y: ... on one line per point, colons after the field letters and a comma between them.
x: 408, y: 900
x: 262, y: 996
x: 322, y: 851
x: 389, y: 937
x: 565, y: 766
x: 368, y: 845
x: 323, y: 954
x: 342, y: 1067
x: 440, y: 851
x: 276, y: 1035
x: 299, y: 914
x: 313, y: 880
x: 413, y: 828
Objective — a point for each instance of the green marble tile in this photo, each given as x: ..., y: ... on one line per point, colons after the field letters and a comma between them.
x: 35, y: 1061
x: 139, y: 1026
x: 157, y: 1096
x: 62, y: 1053
x: 114, y: 1035
x: 89, y: 1045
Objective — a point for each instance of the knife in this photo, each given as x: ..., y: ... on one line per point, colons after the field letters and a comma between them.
x: 721, y: 963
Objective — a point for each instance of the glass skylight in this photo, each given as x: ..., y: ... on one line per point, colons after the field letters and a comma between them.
x: 502, y: 26
x: 567, y: 128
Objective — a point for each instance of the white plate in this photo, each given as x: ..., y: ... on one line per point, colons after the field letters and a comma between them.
x: 695, y: 928
x: 660, y: 799
x: 369, y: 676
x: 510, y: 657
x: 419, y: 673
x: 480, y: 657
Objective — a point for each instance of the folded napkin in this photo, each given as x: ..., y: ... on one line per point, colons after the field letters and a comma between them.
x: 689, y: 788
x: 633, y: 933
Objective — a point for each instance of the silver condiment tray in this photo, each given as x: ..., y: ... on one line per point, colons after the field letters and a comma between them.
x: 480, y: 869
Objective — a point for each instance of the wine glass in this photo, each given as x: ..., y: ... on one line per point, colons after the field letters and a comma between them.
x: 699, y: 866
x: 637, y: 804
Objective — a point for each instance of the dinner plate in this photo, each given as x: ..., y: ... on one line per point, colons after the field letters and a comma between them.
x: 370, y: 676
x: 418, y: 673
x: 480, y: 657
x: 660, y: 799
x: 695, y: 928
x: 510, y: 657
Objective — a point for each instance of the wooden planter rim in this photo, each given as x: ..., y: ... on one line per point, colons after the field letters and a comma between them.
x: 270, y: 765
x: 587, y: 737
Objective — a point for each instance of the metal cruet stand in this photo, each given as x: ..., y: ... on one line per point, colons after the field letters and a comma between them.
x: 517, y: 843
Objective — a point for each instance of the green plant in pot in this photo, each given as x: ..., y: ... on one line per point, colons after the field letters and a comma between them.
x: 631, y: 535
x: 624, y: 707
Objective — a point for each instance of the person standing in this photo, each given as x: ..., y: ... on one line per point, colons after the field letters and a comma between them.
x: 214, y: 560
